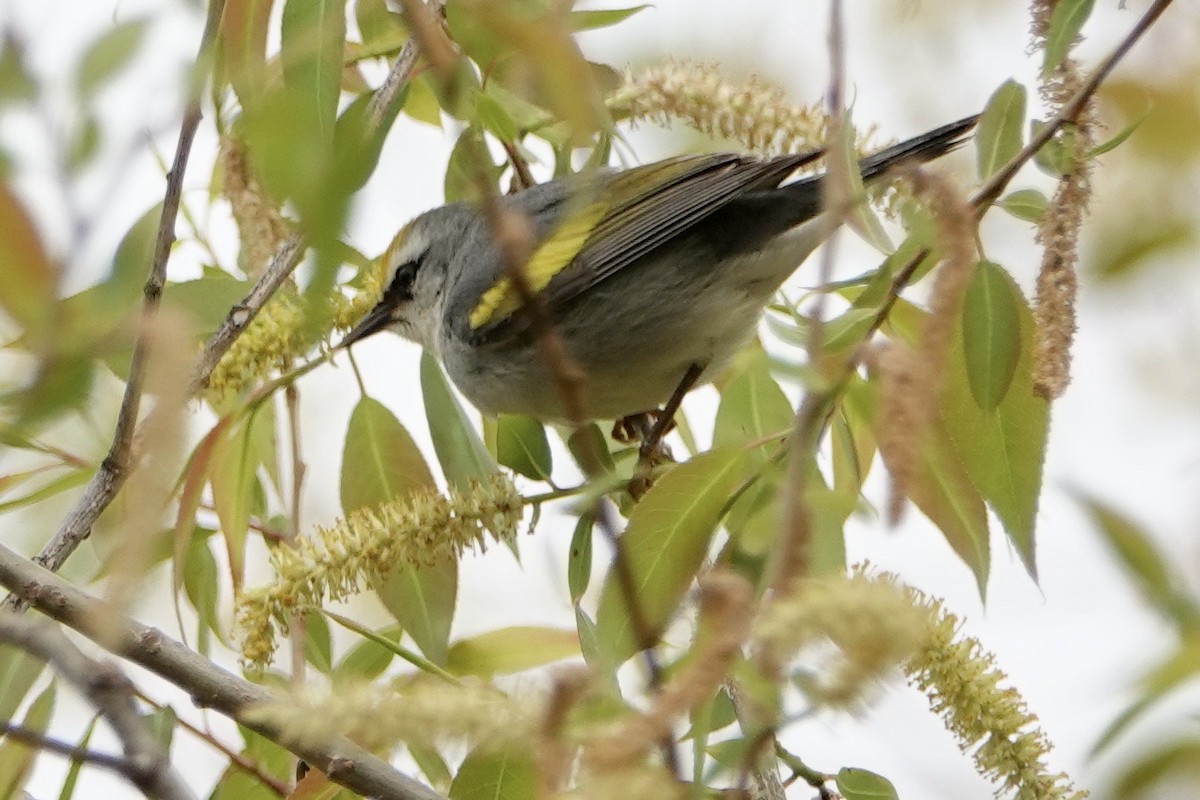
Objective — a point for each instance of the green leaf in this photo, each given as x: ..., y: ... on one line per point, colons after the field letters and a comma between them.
x: 604, y: 18
x: 83, y: 144
x: 161, y: 724
x: 27, y: 276
x: 389, y: 640
x: 1117, y: 139
x: 107, y: 56
x: 16, y: 758
x: 998, y: 134
x: 991, y: 333
x: 1066, y: 21
x: 494, y: 119
x: 861, y: 784
x: 72, y: 779
x: 243, y: 47
x: 368, y: 659
x: 509, y: 650
x: 377, y: 22
x: 358, y: 141
x: 1002, y: 450
x: 432, y: 765
x: 380, y: 460
x: 521, y: 445
x: 422, y: 600
x: 313, y: 33
x: 318, y: 646
x: 1028, y: 205
x: 202, y: 586
x: 234, y: 480
x: 459, y: 449
x: 16, y: 82
x: 488, y: 774
x: 52, y: 488
x: 579, y: 560
x: 1166, y: 766
x: 665, y: 543
x: 752, y: 408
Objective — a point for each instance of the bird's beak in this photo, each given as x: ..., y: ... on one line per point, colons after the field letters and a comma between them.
x: 376, y: 320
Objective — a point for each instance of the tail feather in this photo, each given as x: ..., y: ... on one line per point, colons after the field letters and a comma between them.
x: 926, y: 147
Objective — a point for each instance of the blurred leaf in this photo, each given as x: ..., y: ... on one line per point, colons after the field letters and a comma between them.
x: 861, y: 219
x: 753, y: 408
x: 27, y: 276
x: 358, y: 141
x: 17, y: 84
x: 1170, y: 135
x: 238, y: 784
x: 465, y: 169
x: 942, y: 491
x: 1057, y: 156
x: 521, y: 445
x: 665, y: 543
x: 380, y: 461
x: 1140, y: 241
x: 368, y: 659
x: 234, y: 479
x: 1174, y: 764
x: 312, y: 36
x: 108, y: 55
x: 494, y: 119
x: 83, y: 143
x: 195, y: 477
x: 206, y: 300
x: 1002, y: 450
x: 161, y: 724
x: 432, y: 765
x: 488, y: 774
x: 861, y: 784
x: 72, y: 778
x: 590, y: 20
x: 242, y: 47
x: 422, y: 600
x: 852, y: 441
x: 998, y: 134
x: 714, y: 715
x: 377, y: 22
x: 1153, y: 576
x: 579, y: 560
x: 422, y: 103
x: 509, y: 650
x: 1118, y: 139
x: 18, y: 672
x: 587, y: 442
x: 51, y: 488
x: 16, y: 759
x: 1025, y: 204
x: 459, y: 449
x: 991, y: 334
x: 1066, y: 21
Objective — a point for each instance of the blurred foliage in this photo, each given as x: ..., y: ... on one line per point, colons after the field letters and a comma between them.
x: 522, y: 93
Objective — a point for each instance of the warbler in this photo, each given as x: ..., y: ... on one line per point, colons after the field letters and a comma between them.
x: 651, y: 277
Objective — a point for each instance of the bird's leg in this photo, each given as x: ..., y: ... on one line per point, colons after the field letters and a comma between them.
x: 651, y: 450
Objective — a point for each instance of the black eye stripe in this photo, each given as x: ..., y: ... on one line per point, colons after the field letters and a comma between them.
x: 401, y: 287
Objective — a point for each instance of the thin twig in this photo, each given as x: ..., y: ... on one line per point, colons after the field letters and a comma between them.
x: 208, y: 685
x: 1070, y: 110
x: 235, y: 758
x: 72, y: 752
x: 106, y: 687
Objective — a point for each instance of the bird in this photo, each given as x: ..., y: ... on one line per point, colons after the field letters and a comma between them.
x: 652, y: 277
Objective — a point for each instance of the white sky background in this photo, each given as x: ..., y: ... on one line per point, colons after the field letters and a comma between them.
x: 1127, y: 430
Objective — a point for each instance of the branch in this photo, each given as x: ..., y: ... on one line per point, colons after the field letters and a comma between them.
x: 106, y: 687
x: 111, y: 475
x: 208, y: 685
x: 18, y: 733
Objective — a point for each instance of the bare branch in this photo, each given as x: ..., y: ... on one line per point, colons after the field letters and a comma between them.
x: 106, y: 687
x: 208, y: 685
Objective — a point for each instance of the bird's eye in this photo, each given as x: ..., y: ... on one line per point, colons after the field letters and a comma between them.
x: 401, y: 287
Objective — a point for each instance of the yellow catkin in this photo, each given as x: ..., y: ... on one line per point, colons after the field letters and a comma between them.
x: 903, y: 418
x: 270, y: 341
x: 990, y: 720
x: 423, y: 712
x: 421, y: 528
x: 755, y: 113
x: 871, y: 623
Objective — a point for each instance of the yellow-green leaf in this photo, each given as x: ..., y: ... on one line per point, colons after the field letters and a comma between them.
x: 665, y: 543
x: 458, y: 446
x: 313, y: 33
x: 991, y: 333
x: 16, y: 758
x: 27, y: 275
x: 579, y: 559
x: 422, y: 600
x: 998, y: 134
x: 1025, y: 204
x: 490, y: 774
x: 108, y: 55
x: 861, y: 784
x: 509, y: 650
x: 1066, y: 21
x: 521, y: 445
x: 380, y: 461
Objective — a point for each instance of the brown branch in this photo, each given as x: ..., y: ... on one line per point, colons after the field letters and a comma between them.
x: 1070, y: 110
x: 18, y: 733
x: 208, y: 685
x: 106, y: 687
